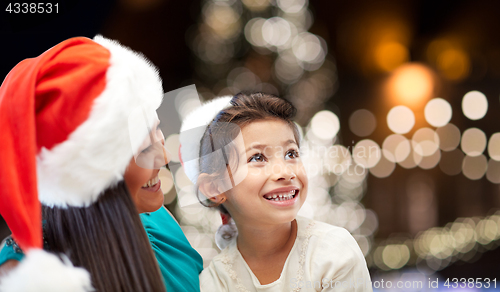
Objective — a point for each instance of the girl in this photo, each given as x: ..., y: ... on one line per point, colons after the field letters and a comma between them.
x: 259, y: 181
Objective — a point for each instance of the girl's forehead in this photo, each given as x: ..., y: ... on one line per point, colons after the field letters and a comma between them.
x: 267, y: 132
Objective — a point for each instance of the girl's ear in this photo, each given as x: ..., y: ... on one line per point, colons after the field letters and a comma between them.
x: 208, y: 185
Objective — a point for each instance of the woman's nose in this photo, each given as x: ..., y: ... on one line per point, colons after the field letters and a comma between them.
x: 162, y: 155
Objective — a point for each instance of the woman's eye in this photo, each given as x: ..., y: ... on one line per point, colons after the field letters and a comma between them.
x: 257, y: 158
x: 146, y: 150
x: 291, y: 154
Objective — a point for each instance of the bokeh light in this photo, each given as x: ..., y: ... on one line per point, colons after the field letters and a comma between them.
x: 453, y: 63
x: 186, y: 101
x: 395, y: 256
x: 400, y: 119
x: 364, y: 243
x: 474, y: 167
x: 411, y: 161
x: 425, y: 141
x: 384, y: 167
x: 451, y: 162
x: 167, y: 182
x: 292, y: 6
x: 277, y: 32
x: 474, y: 105
x: 366, y: 153
x: 493, y: 172
x: 325, y: 125
x: 449, y: 137
x: 438, y: 112
x: 172, y: 144
x: 253, y: 32
x: 439, y: 247
x: 411, y: 84
x: 362, y: 122
x: 396, y: 148
x: 494, y: 147
x: 473, y: 142
x: 256, y: 5
x: 181, y: 179
x: 287, y: 67
x: 429, y: 162
x: 390, y: 55
x: 354, y: 175
x: 310, y: 50
x: 222, y: 19
x: 337, y: 159
x: 242, y: 79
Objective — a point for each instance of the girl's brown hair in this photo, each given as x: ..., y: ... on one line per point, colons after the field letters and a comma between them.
x: 245, y: 108
x: 108, y: 240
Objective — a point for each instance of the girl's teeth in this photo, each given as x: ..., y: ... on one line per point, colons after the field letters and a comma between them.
x: 281, y: 197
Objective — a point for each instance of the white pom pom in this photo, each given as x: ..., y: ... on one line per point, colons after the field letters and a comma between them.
x: 41, y: 271
x: 225, y: 234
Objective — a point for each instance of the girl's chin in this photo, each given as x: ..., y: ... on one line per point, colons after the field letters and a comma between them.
x: 278, y: 219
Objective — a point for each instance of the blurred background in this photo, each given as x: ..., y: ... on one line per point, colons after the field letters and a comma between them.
x: 398, y: 102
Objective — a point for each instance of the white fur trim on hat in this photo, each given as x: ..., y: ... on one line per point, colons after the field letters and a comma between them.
x: 95, y: 155
x: 41, y: 271
x: 192, y: 130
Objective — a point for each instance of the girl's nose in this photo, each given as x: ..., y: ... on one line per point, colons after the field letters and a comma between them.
x: 288, y: 176
x: 282, y: 171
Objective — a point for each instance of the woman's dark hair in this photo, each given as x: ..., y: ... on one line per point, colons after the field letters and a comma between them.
x: 108, y: 240
x: 245, y: 108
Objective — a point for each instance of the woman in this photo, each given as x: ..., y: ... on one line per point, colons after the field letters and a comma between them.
x: 77, y: 123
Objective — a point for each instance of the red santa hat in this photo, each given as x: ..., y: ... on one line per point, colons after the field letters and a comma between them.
x: 71, y: 120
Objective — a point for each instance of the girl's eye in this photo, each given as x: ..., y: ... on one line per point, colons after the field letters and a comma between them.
x: 257, y: 158
x: 146, y: 150
x: 291, y: 154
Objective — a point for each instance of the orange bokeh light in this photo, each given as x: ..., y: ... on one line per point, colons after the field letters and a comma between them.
x: 411, y: 85
x: 390, y: 55
x: 454, y: 64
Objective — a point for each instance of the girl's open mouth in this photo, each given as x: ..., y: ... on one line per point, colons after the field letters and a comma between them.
x: 282, y: 196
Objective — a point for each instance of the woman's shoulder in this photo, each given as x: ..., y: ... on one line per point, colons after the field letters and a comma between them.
x: 9, y: 250
x: 161, y: 226
x: 149, y: 219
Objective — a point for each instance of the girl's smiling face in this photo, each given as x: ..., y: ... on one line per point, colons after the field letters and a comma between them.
x: 275, y: 186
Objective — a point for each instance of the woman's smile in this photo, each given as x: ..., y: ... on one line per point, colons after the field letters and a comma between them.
x: 153, y: 185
